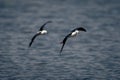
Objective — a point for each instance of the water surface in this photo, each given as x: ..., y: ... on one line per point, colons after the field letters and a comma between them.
x: 93, y: 55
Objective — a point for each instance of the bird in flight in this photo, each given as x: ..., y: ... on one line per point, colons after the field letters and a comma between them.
x: 40, y: 32
x: 73, y: 33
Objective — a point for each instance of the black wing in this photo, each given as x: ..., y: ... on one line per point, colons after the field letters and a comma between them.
x: 33, y: 38
x: 64, y: 41
x: 79, y: 28
x: 44, y: 25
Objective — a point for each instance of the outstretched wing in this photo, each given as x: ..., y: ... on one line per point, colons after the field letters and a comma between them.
x: 79, y: 29
x: 64, y: 41
x: 44, y: 25
x: 33, y: 38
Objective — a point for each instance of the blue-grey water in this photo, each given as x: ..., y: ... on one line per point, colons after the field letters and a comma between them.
x: 91, y: 55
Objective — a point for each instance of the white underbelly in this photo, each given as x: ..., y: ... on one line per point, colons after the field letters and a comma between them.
x: 44, y: 32
x: 73, y: 34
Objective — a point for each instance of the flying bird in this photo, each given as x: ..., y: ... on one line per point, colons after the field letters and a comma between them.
x: 73, y: 33
x: 41, y: 31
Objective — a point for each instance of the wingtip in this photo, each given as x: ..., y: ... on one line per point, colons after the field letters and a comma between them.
x: 85, y: 30
x: 29, y: 45
x: 82, y: 29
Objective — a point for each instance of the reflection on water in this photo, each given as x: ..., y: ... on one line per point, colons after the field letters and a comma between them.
x: 93, y: 55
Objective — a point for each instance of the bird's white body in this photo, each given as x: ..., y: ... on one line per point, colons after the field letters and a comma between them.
x: 43, y: 32
x: 74, y: 33
x: 40, y: 32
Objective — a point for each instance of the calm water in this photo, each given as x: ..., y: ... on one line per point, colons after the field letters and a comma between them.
x: 94, y: 55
